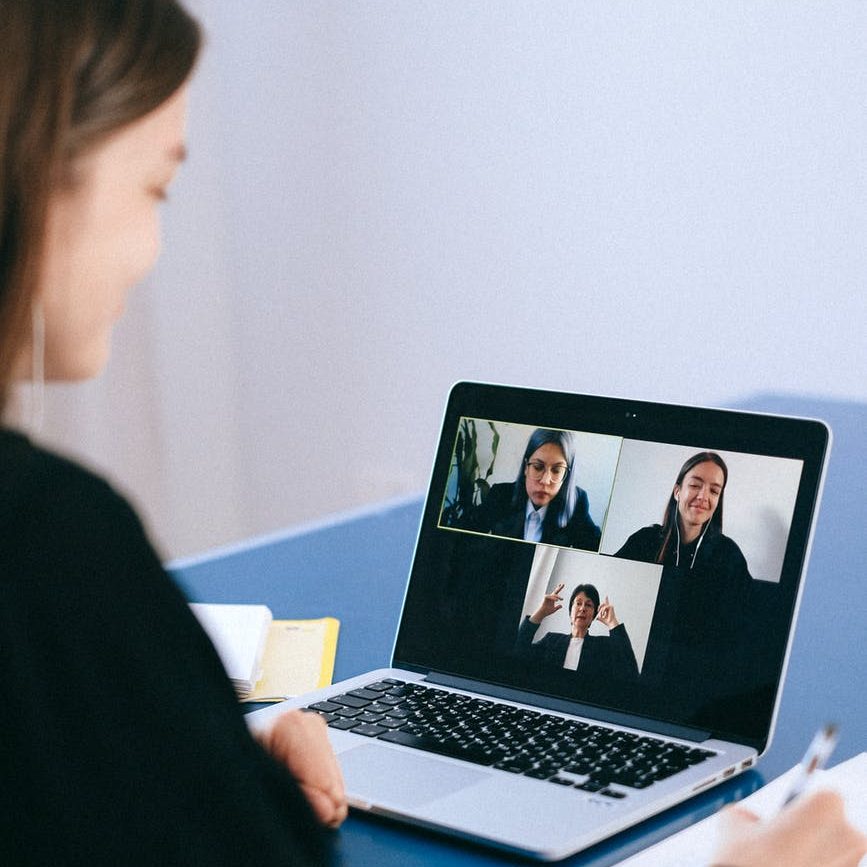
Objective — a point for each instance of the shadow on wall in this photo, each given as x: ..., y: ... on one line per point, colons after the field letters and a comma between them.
x: 775, y: 531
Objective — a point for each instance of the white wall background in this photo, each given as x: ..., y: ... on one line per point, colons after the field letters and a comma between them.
x: 631, y: 588
x: 758, y: 504
x: 660, y: 200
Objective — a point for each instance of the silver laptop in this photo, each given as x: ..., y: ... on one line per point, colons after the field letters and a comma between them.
x: 596, y: 623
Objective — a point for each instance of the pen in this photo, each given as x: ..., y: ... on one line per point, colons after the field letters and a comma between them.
x: 817, y: 755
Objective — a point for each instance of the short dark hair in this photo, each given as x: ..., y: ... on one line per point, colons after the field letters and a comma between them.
x: 589, y: 591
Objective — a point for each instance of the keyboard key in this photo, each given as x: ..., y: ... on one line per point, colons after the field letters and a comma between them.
x: 326, y: 706
x: 693, y: 757
x: 507, y: 766
x: 432, y: 745
x: 347, y: 712
x: 539, y: 773
x: 351, y: 700
x: 399, y: 713
x: 578, y: 767
x: 341, y: 723
x: 513, y: 739
x: 368, y: 730
x: 378, y: 707
x: 364, y: 693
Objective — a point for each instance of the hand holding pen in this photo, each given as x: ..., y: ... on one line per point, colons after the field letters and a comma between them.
x: 808, y: 830
x: 815, y: 759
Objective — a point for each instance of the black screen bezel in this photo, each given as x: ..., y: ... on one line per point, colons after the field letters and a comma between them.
x: 806, y: 440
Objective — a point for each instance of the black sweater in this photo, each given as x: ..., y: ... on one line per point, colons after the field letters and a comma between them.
x: 717, y: 554
x: 122, y: 740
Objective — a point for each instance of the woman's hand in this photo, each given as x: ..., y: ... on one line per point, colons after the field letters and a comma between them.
x: 812, y: 831
x: 550, y: 604
x: 299, y: 740
x: 606, y: 615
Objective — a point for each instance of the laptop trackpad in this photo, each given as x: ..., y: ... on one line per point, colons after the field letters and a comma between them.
x: 376, y: 774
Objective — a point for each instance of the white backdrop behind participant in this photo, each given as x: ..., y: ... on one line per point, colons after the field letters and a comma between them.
x: 759, y: 500
x: 630, y: 586
x: 595, y: 460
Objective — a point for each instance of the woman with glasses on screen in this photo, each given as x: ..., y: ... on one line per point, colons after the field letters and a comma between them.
x: 543, y: 504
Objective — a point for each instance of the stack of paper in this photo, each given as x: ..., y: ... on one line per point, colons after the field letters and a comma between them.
x: 239, y: 633
x: 266, y: 659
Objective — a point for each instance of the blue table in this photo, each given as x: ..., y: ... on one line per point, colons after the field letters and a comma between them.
x: 355, y: 568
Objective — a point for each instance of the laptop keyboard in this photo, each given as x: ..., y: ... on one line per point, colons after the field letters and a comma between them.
x: 533, y: 743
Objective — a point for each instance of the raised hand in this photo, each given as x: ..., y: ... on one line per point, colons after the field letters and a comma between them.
x: 550, y: 604
x: 606, y: 615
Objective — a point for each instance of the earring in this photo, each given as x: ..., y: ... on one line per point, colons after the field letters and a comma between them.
x: 37, y: 368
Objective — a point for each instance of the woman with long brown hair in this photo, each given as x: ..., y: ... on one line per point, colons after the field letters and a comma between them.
x: 123, y: 742
x: 690, y: 536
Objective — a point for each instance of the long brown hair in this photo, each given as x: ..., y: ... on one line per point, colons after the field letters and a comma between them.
x: 71, y: 73
x: 670, y: 517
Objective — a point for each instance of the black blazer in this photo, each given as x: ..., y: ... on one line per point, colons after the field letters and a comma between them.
x: 602, y: 658
x: 499, y: 516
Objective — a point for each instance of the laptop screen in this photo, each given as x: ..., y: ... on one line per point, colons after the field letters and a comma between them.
x: 624, y: 556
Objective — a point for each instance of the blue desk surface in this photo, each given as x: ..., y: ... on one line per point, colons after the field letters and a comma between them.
x: 355, y: 569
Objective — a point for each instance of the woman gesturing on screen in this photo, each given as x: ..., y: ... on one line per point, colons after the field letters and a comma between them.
x: 594, y: 658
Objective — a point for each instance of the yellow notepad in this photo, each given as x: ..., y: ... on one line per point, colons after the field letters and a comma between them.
x: 299, y: 656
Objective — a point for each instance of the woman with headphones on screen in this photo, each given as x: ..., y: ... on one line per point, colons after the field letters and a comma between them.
x: 123, y: 742
x: 691, y: 638
x: 690, y: 536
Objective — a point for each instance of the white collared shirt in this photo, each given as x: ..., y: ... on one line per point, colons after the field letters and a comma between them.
x: 573, y: 653
x: 532, y: 526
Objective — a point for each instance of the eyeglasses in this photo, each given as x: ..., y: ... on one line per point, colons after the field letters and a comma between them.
x: 538, y: 470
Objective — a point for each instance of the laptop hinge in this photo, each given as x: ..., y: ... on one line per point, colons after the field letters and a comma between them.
x: 686, y: 733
